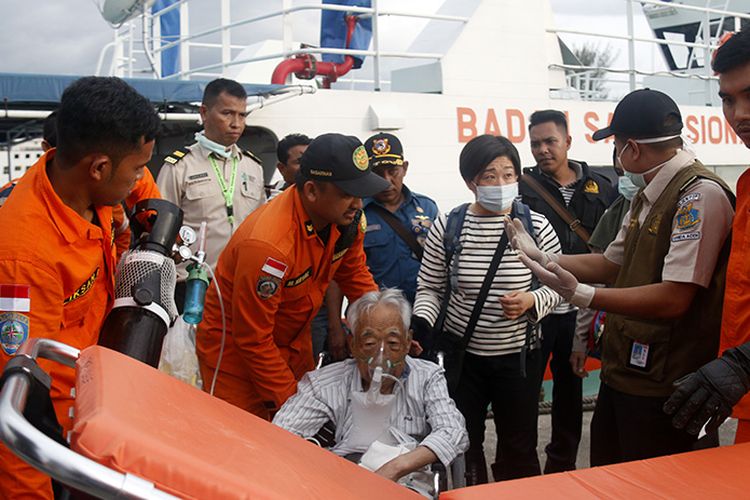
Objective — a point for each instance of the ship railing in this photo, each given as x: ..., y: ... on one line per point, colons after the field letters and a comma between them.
x: 576, y: 74
x: 152, y: 46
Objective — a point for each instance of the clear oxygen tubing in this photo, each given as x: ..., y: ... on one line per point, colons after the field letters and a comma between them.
x: 223, y: 328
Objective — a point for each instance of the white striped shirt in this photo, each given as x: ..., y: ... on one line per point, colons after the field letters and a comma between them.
x: 494, y: 334
x: 424, y: 410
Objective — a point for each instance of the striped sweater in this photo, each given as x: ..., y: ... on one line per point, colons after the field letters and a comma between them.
x: 494, y: 334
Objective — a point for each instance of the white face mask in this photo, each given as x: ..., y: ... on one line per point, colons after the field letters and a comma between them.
x: 212, y: 146
x: 497, y: 198
x: 639, y: 180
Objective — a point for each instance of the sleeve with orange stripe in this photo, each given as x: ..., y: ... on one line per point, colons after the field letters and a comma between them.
x: 253, y: 321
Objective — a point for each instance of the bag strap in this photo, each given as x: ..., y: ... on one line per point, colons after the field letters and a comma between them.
x: 573, y: 222
x: 452, y: 246
x: 403, y: 233
x: 485, y: 289
x: 451, y: 237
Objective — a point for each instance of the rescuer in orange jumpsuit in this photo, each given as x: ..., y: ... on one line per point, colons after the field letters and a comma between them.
x: 58, y: 237
x: 274, y: 272
x: 715, y: 389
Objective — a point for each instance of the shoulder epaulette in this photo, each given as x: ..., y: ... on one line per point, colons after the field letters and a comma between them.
x: 176, y: 155
x: 251, y: 155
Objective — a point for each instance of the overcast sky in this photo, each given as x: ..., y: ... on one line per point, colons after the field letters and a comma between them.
x: 66, y: 36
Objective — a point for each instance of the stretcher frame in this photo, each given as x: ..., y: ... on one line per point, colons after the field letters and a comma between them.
x: 49, y: 456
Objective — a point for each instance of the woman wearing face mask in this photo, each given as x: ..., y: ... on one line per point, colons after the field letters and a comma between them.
x: 501, y: 362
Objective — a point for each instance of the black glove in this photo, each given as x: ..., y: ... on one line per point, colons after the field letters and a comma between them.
x: 421, y: 332
x: 711, y: 392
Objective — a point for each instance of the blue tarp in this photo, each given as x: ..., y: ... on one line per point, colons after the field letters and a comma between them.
x: 333, y: 31
x: 30, y: 88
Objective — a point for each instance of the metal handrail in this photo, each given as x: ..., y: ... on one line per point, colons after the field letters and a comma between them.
x: 188, y: 40
x: 708, y: 44
x: 49, y: 456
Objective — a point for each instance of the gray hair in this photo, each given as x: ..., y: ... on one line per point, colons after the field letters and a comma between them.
x: 388, y: 296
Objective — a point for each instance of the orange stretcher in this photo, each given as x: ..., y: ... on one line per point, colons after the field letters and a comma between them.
x: 140, y: 433
x: 713, y: 473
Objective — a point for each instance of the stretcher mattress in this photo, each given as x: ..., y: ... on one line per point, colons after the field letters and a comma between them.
x: 714, y: 473
x: 133, y: 418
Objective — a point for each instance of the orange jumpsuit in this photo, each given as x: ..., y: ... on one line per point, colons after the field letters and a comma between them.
x: 273, y: 275
x: 735, y: 325
x: 69, y: 264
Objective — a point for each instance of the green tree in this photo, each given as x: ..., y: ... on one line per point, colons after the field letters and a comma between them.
x: 591, y: 82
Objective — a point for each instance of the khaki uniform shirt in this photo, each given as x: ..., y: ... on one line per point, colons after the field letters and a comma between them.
x: 694, y: 245
x: 190, y: 182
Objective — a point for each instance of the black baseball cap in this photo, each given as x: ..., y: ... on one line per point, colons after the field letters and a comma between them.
x: 643, y: 114
x: 384, y: 149
x: 342, y: 160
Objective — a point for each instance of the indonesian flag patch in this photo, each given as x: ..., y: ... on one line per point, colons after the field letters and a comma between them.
x: 275, y: 268
x: 15, y: 298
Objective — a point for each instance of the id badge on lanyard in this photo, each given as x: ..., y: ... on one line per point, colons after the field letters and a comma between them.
x: 227, y: 190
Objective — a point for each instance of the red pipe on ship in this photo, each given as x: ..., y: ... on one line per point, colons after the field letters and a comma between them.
x: 306, y: 67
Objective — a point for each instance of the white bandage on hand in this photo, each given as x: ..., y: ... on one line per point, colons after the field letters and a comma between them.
x: 521, y: 241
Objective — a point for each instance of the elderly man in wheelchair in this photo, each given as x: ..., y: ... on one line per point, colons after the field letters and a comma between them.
x: 392, y: 413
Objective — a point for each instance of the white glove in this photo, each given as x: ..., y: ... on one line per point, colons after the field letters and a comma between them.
x: 521, y: 241
x: 561, y: 281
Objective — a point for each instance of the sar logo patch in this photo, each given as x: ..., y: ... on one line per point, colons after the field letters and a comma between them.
x: 687, y: 217
x: 591, y: 187
x: 267, y: 286
x: 359, y: 157
x: 14, y: 330
x: 381, y: 146
x: 83, y: 289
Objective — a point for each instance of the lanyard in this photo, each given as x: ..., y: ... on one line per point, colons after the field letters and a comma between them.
x: 227, y: 190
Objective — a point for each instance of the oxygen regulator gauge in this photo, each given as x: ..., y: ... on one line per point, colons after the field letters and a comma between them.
x: 187, y: 235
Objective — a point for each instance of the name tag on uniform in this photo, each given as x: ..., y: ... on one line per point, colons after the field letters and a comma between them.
x: 639, y: 355
x: 372, y: 227
x: 203, y: 176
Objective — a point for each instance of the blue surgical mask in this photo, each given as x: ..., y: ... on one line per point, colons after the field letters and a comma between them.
x: 639, y: 180
x: 626, y: 187
x: 497, y: 198
x: 212, y: 146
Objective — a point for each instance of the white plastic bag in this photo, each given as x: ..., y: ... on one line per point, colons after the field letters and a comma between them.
x: 178, y: 357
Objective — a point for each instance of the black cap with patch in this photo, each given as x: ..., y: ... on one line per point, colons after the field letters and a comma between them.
x: 384, y: 150
x: 643, y: 114
x: 342, y: 160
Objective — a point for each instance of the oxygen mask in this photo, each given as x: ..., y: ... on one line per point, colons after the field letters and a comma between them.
x: 382, y: 361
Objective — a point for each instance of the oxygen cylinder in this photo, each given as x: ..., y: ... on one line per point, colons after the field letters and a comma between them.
x: 145, y: 279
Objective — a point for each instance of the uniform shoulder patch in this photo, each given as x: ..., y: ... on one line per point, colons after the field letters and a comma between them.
x: 175, y: 156
x: 14, y: 330
x: 249, y: 153
x: 267, y: 286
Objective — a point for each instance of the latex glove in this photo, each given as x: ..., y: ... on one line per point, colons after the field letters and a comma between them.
x: 522, y: 241
x: 577, y: 363
x: 516, y: 303
x: 710, y: 393
x: 561, y: 281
